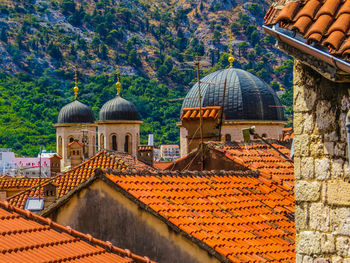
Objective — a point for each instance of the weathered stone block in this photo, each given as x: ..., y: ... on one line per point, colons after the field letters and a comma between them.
x: 322, y: 167
x: 343, y: 246
x: 307, y: 259
x: 339, y: 150
x: 331, y: 137
x: 337, y: 259
x: 307, y: 168
x: 301, y: 216
x: 297, y: 170
x: 307, y: 191
x: 308, y: 123
x: 308, y: 243
x: 346, y: 170
x: 301, y: 145
x: 337, y: 168
x: 338, y: 192
x: 304, y: 98
x: 325, y: 116
x: 319, y: 217
x: 328, y: 148
x: 328, y: 243
x: 321, y: 260
x: 339, y: 221
x: 346, y: 260
x: 298, y: 123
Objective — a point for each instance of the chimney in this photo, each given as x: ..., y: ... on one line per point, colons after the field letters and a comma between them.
x: 150, y: 139
x: 3, y: 196
x: 145, y: 154
x: 50, y: 194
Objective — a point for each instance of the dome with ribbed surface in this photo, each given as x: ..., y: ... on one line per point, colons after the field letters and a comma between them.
x: 119, y: 109
x: 246, y: 98
x: 76, y: 112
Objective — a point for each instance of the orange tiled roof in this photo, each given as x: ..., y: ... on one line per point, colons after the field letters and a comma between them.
x: 260, y: 157
x: 81, y: 173
x: 241, y: 216
x: 162, y: 165
x: 326, y: 23
x: 27, y: 237
x: 194, y: 113
x: 20, y: 182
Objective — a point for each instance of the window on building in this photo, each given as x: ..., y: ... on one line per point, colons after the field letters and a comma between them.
x: 60, y: 146
x: 71, y: 139
x: 264, y: 135
x: 228, y: 137
x: 127, y: 144
x: 102, y: 141
x: 114, y: 143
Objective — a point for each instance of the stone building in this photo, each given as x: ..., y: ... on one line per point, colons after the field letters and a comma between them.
x: 246, y: 101
x: 315, y: 34
x: 119, y: 126
x: 117, y: 129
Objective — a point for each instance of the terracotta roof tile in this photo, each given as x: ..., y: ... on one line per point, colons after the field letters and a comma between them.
x: 326, y: 23
x: 69, y: 180
x: 27, y: 237
x: 194, y: 113
x: 238, y: 214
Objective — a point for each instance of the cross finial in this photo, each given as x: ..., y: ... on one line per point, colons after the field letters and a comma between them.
x: 118, y: 84
x: 231, y: 58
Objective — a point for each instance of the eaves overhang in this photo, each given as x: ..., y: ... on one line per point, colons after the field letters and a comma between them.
x: 342, y: 67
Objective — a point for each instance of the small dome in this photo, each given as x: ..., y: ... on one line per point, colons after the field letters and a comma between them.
x: 76, y: 112
x: 119, y: 109
x: 246, y: 98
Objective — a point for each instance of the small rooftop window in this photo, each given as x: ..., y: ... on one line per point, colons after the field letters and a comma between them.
x: 34, y: 204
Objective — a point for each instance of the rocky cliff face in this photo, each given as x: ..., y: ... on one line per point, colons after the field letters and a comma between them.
x: 149, y: 38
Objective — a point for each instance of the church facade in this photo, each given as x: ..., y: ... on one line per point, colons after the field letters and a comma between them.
x: 79, y: 136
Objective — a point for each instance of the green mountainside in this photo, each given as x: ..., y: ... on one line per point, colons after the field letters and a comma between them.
x: 155, y: 42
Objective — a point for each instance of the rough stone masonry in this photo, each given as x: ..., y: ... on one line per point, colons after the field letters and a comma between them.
x: 322, y: 172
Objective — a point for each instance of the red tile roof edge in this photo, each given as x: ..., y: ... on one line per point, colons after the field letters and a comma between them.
x: 87, y: 237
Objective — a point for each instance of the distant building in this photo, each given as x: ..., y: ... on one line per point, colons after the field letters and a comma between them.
x: 156, y: 154
x: 169, y: 152
x: 47, y: 165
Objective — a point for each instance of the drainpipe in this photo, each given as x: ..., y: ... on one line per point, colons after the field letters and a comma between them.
x: 348, y: 131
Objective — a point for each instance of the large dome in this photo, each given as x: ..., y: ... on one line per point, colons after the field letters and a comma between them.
x: 76, y: 112
x: 119, y: 109
x: 246, y: 98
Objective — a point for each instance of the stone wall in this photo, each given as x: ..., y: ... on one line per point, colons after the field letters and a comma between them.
x: 322, y: 173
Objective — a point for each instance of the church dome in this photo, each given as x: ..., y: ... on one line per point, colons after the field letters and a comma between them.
x: 76, y: 112
x: 246, y: 98
x: 119, y: 109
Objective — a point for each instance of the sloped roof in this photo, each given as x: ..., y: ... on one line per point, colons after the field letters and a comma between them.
x: 27, y: 237
x: 234, y: 215
x: 194, y: 113
x: 325, y: 23
x: 11, y: 182
x: 67, y: 181
x: 258, y: 156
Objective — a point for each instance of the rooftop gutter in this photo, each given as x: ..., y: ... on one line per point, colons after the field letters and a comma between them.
x: 334, y: 61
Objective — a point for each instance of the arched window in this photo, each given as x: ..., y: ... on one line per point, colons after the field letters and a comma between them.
x: 127, y: 144
x: 228, y: 137
x: 93, y: 145
x: 71, y: 139
x: 114, y: 143
x: 102, y: 141
x: 60, y: 146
